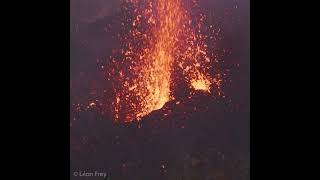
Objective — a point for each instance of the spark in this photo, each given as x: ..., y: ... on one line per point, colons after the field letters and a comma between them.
x: 163, y: 39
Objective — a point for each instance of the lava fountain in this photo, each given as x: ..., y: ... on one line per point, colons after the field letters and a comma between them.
x: 162, y: 38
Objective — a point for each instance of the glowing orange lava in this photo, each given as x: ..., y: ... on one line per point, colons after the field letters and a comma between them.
x: 162, y: 38
x: 201, y: 84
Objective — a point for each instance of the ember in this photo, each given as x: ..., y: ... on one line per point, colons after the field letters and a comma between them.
x: 163, y: 38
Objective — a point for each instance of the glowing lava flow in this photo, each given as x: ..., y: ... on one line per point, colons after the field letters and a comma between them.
x: 161, y: 39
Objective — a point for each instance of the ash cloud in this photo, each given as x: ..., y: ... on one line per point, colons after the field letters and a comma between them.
x: 89, y: 11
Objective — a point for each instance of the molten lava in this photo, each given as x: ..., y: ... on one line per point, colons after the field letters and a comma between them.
x: 163, y: 38
x: 201, y: 84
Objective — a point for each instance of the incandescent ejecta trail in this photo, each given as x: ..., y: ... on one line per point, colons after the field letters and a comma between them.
x: 163, y: 38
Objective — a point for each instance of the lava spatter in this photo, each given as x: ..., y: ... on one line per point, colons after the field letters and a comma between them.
x: 163, y: 38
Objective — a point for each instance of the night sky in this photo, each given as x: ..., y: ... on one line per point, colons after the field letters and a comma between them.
x: 204, y: 138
